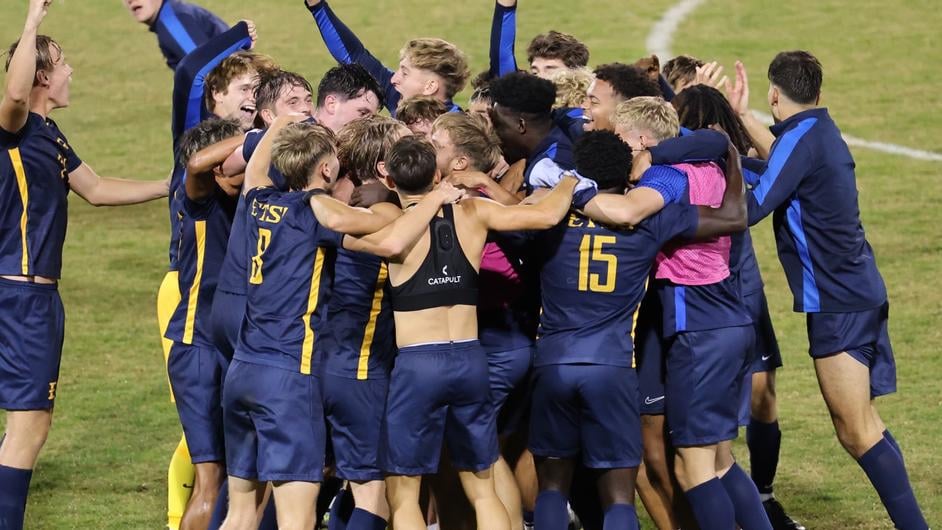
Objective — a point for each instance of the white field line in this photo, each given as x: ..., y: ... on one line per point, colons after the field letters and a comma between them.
x: 659, y: 43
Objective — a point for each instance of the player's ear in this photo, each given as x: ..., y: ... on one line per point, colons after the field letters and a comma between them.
x: 521, y: 125
x: 431, y: 87
x: 267, y: 115
x: 326, y: 172
x: 460, y: 163
x: 381, y: 170
x: 389, y: 182
x: 42, y: 78
x: 330, y: 103
x: 437, y: 178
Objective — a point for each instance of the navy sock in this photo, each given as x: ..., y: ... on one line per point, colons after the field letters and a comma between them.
x: 527, y: 517
x: 886, y: 471
x: 364, y: 520
x: 620, y: 517
x: 221, y: 508
x: 889, y: 438
x: 14, y: 488
x: 551, y: 513
x: 711, y: 506
x: 269, y: 516
x: 746, y: 503
x: 765, y: 442
x: 341, y: 511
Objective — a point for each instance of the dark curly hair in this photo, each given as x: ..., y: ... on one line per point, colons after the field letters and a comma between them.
x: 524, y: 93
x: 603, y: 157
x: 627, y: 81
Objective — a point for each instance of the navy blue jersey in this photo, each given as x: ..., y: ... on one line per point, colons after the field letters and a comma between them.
x: 346, y: 48
x: 546, y: 164
x: 742, y: 259
x: 810, y: 185
x: 593, y: 280
x: 570, y: 121
x: 509, y: 293
x: 503, y: 35
x: 233, y: 277
x: 289, y: 282
x: 34, y: 188
x: 204, y: 233
x: 181, y: 27
x: 359, y: 341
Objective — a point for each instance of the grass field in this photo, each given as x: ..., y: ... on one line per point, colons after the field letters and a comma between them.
x: 105, y: 463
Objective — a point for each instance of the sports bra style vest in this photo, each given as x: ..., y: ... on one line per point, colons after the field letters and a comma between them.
x: 445, y: 278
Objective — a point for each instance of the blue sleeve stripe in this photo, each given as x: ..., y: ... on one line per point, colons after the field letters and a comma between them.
x: 508, y: 33
x: 783, y: 150
x: 169, y: 19
x: 811, y: 297
x: 751, y: 177
x: 453, y: 107
x: 680, y: 308
x: 194, y: 104
x: 332, y: 37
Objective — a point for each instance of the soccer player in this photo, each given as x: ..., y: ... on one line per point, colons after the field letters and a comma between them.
x: 38, y: 168
x: 547, y: 54
x: 698, y: 107
x: 427, y: 67
x: 810, y: 187
x: 419, y: 112
x: 180, y: 27
x: 681, y: 72
x: 614, y: 83
x: 585, y: 391
x: 269, y: 381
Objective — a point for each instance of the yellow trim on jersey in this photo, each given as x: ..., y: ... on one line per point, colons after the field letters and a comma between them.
x: 307, y: 348
x: 24, y: 198
x: 363, y: 363
x: 634, y: 324
x: 200, y: 227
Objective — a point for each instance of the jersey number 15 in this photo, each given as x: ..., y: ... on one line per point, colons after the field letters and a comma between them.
x: 591, y: 250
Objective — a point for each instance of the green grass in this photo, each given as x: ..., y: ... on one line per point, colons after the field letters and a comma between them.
x: 105, y: 463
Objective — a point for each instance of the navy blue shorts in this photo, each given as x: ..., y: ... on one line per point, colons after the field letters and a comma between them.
x: 650, y: 346
x: 766, y: 355
x: 862, y: 334
x: 32, y: 323
x: 439, y: 391
x: 274, y: 424
x: 705, y: 370
x: 226, y: 320
x: 507, y: 371
x: 589, y: 410
x: 354, y: 413
x: 196, y: 376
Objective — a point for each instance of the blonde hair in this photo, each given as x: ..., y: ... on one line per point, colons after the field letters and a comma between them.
x: 571, y: 87
x: 298, y: 149
x: 647, y: 112
x: 440, y: 57
x: 364, y: 142
x: 471, y: 137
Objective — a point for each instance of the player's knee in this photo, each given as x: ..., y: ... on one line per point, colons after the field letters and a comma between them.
x: 25, y: 437
x: 370, y: 496
x: 857, y: 438
x: 237, y: 519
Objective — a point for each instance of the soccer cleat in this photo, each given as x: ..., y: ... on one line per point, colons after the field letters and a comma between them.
x: 777, y: 516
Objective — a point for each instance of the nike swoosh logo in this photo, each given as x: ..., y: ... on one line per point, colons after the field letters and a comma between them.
x: 649, y: 401
x: 766, y: 357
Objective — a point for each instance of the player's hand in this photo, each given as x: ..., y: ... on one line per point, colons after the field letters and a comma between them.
x: 311, y: 3
x: 253, y: 31
x: 449, y: 194
x: 499, y: 170
x: 639, y: 164
x: 372, y: 193
x: 711, y: 74
x: 469, y: 180
x: 505, y: 3
x: 36, y: 13
x: 738, y: 93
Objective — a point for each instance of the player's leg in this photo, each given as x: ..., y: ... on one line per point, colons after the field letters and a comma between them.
x: 25, y: 435
x: 750, y: 513
x: 506, y: 370
x: 525, y: 475
x: 617, y: 493
x: 845, y: 385
x: 555, y: 478
x: 402, y: 492
x: 243, y: 494
x: 296, y: 504
x: 656, y: 464
x: 372, y: 510
x: 206, y: 484
x: 657, y: 506
x: 488, y: 510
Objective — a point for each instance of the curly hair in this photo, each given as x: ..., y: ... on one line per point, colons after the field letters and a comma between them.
x: 603, y: 157
x: 627, y: 81
x: 525, y: 93
x: 571, y: 87
x: 562, y: 46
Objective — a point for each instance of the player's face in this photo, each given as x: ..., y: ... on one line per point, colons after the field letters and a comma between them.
x: 410, y: 81
x: 637, y: 139
x: 507, y: 128
x: 361, y: 106
x: 238, y: 102
x: 420, y: 128
x: 480, y: 107
x: 599, y: 106
x: 444, y: 151
x: 143, y: 11
x: 59, y: 78
x: 294, y: 100
x: 547, y: 68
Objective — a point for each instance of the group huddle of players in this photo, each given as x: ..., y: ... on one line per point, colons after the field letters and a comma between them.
x: 541, y: 304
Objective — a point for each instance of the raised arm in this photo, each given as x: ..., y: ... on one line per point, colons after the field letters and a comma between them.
x: 14, y: 108
x: 103, y: 191
x: 790, y: 162
x: 256, y: 172
x: 200, y: 180
x: 731, y: 215
x: 503, y: 35
x: 396, y: 240
x: 738, y: 95
x: 339, y: 217
x: 544, y: 214
x: 189, y: 80
x: 346, y: 48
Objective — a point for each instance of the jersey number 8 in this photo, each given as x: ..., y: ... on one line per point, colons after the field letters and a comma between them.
x: 264, y: 239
